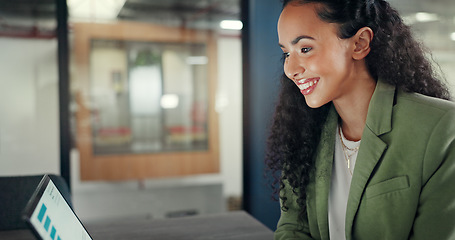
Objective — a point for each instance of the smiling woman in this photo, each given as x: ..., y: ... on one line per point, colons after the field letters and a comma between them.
x: 345, y: 139
x: 324, y: 66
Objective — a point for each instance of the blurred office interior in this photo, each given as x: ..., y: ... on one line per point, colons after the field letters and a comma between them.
x: 142, y: 105
x: 154, y: 94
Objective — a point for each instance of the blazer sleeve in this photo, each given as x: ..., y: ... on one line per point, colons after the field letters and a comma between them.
x: 289, y: 226
x: 435, y: 218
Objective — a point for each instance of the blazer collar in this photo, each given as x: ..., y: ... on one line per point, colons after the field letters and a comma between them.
x: 379, y: 117
x: 379, y: 121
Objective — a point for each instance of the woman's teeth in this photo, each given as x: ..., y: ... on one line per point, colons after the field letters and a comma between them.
x: 307, y: 85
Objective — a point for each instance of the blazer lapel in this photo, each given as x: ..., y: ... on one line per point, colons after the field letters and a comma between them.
x: 323, y: 172
x: 378, y: 122
x: 368, y: 157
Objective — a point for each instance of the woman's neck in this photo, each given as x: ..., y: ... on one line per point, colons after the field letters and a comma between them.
x: 353, y: 108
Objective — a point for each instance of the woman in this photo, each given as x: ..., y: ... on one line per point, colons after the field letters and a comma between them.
x: 362, y: 135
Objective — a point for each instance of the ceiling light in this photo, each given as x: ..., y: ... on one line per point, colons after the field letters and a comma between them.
x: 231, y: 24
x: 94, y: 10
x: 452, y: 36
x: 426, y: 17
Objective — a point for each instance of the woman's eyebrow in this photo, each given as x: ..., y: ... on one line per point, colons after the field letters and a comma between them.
x: 297, y: 39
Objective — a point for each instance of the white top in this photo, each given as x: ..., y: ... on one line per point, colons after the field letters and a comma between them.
x: 340, y: 184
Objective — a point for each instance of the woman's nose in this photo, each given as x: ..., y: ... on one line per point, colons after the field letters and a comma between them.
x: 292, y: 67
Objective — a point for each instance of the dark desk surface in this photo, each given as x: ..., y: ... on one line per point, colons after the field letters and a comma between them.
x: 226, y: 226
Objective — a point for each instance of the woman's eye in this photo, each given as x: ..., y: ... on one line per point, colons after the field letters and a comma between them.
x: 305, y: 49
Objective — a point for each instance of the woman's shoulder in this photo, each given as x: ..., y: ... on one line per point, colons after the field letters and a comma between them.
x: 423, y: 114
x: 415, y: 103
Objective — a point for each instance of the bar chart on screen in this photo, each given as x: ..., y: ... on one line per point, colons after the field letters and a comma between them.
x: 47, y: 223
x: 53, y: 219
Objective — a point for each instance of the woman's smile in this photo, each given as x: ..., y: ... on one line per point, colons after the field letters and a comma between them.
x: 307, y: 85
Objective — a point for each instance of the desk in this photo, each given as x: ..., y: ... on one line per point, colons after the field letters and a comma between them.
x: 225, y: 226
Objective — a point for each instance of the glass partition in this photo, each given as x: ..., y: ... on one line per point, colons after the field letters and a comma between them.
x: 148, y: 97
x: 145, y: 100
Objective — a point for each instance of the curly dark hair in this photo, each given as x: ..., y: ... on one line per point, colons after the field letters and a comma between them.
x: 395, y: 57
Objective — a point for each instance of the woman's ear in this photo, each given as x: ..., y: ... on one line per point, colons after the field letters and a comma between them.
x: 362, y: 40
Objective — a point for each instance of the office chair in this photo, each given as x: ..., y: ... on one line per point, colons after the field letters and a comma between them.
x: 15, y: 192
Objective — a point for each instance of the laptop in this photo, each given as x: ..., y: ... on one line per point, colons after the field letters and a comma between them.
x: 50, y: 217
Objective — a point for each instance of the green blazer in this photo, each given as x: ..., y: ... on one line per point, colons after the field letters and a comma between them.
x: 403, y: 185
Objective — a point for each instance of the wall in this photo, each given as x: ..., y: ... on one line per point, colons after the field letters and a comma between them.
x: 29, y: 133
x: 446, y: 62
x: 261, y: 73
x: 229, y: 107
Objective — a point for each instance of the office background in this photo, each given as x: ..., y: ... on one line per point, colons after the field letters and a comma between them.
x: 39, y: 135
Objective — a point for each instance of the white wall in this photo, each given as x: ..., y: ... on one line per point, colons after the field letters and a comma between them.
x: 29, y: 127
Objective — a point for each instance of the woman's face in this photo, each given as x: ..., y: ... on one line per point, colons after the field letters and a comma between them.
x: 316, y: 59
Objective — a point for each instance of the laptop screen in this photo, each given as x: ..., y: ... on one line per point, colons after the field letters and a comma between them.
x: 50, y: 216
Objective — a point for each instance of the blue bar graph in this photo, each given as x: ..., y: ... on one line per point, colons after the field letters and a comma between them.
x: 47, y: 223
x: 41, y: 213
x: 53, y: 232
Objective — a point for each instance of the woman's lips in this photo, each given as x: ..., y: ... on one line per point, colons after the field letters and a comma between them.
x: 307, y: 85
